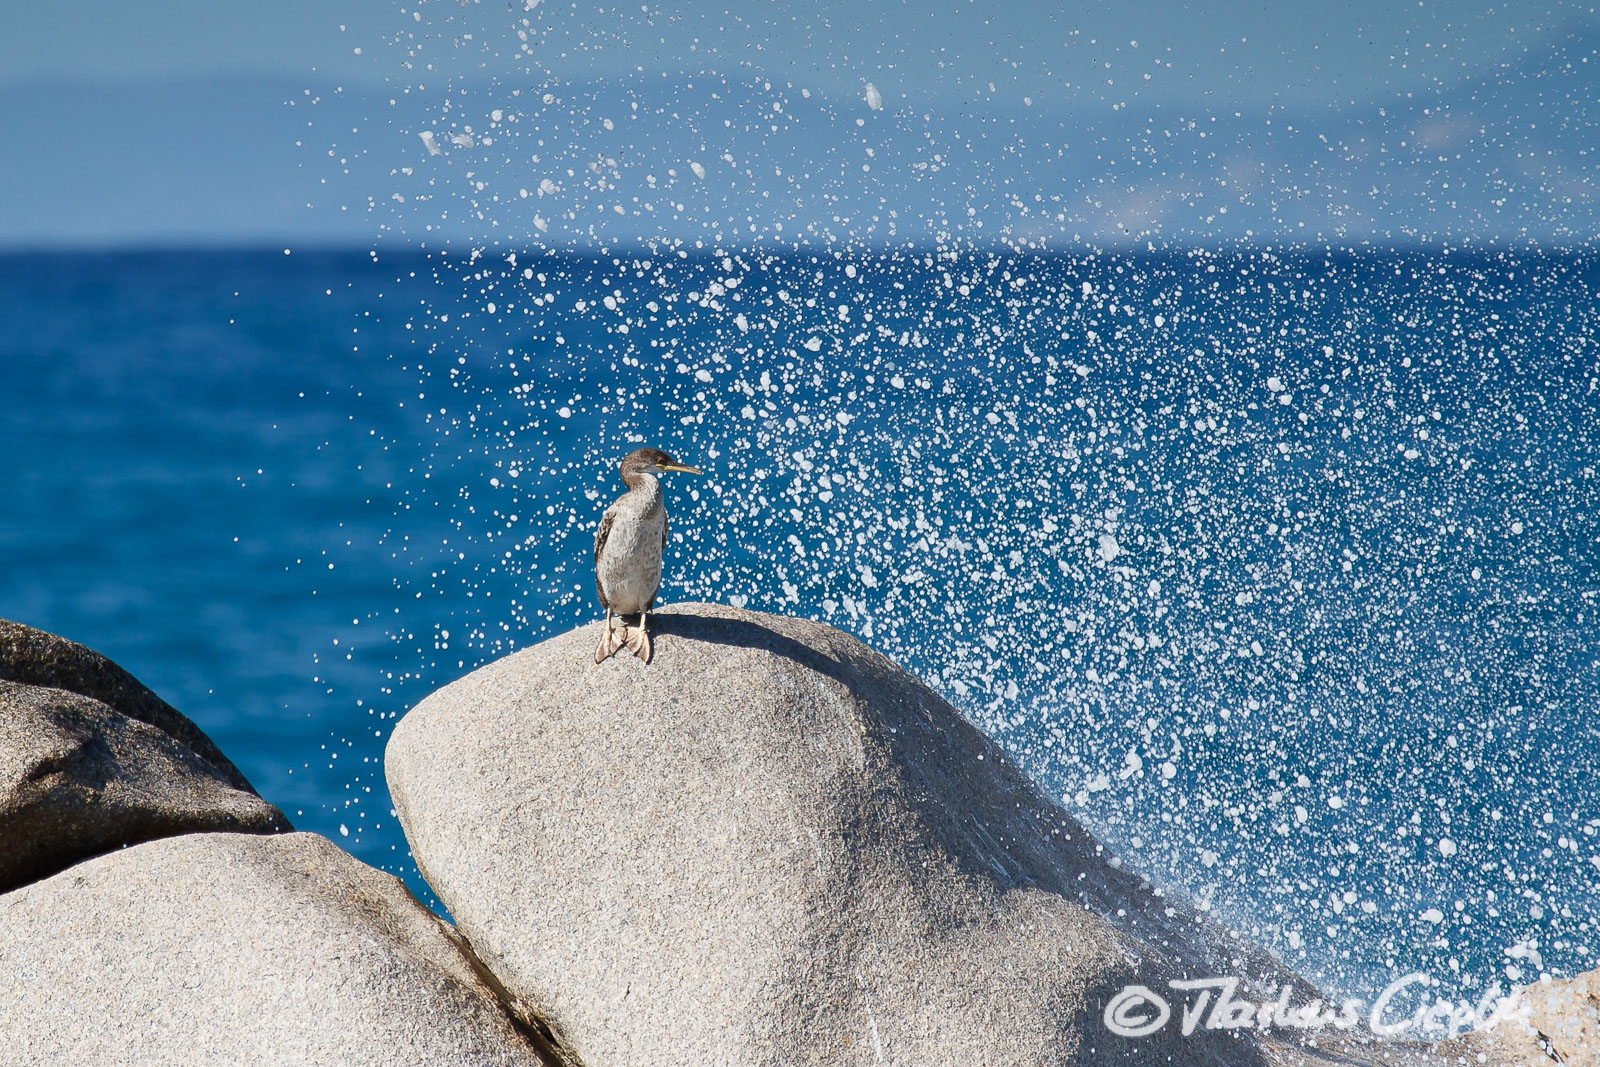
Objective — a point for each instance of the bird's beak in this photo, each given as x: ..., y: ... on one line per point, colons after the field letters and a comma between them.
x: 681, y: 468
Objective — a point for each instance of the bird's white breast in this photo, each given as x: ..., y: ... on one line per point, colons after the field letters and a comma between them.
x: 629, y: 567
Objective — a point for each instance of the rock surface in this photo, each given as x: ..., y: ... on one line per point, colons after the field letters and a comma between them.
x: 240, y: 949
x: 34, y: 657
x: 78, y: 779
x: 1548, y: 1023
x: 80, y: 776
x: 771, y: 846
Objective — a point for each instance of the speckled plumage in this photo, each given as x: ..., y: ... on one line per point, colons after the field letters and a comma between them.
x: 627, y: 550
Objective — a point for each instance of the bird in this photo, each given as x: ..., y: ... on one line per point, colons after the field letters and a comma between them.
x: 628, y: 547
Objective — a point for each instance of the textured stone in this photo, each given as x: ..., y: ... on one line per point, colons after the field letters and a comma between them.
x: 1543, y: 1024
x: 771, y: 846
x: 78, y: 779
x: 34, y: 657
x: 241, y: 949
x: 91, y: 760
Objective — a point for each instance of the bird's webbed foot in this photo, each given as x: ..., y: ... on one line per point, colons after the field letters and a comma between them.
x: 610, y: 641
x: 639, y: 639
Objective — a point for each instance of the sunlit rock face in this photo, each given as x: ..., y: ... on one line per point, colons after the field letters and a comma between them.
x: 1549, y: 1022
x: 771, y: 845
x: 241, y: 949
x: 90, y: 760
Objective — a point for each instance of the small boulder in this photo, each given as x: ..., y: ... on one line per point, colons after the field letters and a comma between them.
x: 78, y: 779
x: 80, y: 776
x: 242, y: 949
x: 772, y: 846
x: 34, y: 657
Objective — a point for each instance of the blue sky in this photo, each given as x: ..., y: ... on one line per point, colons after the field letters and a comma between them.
x: 147, y: 40
x: 171, y: 122
x: 1335, y: 51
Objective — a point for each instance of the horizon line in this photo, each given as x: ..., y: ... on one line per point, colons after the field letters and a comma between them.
x: 679, y: 248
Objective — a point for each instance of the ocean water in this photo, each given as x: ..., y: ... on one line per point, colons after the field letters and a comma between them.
x: 1281, y: 569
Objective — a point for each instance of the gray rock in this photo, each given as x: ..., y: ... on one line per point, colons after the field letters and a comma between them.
x: 241, y: 949
x: 78, y: 779
x: 79, y: 776
x: 33, y: 657
x: 771, y: 846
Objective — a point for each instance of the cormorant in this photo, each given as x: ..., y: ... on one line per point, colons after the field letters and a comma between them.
x: 628, y: 547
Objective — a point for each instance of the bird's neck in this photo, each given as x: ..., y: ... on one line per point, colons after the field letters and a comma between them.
x: 639, y: 482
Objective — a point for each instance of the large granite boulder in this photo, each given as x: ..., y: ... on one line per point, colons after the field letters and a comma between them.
x: 771, y: 846
x: 90, y: 760
x: 242, y: 949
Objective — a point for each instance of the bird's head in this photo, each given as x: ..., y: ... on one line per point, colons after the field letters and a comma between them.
x: 653, y: 461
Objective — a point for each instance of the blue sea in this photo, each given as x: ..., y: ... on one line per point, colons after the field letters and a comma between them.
x: 1280, y: 568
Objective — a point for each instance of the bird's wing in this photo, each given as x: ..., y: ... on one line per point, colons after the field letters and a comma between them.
x: 600, y: 536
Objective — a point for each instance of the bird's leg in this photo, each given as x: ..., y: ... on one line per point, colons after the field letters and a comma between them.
x: 639, y: 640
x: 608, y: 641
